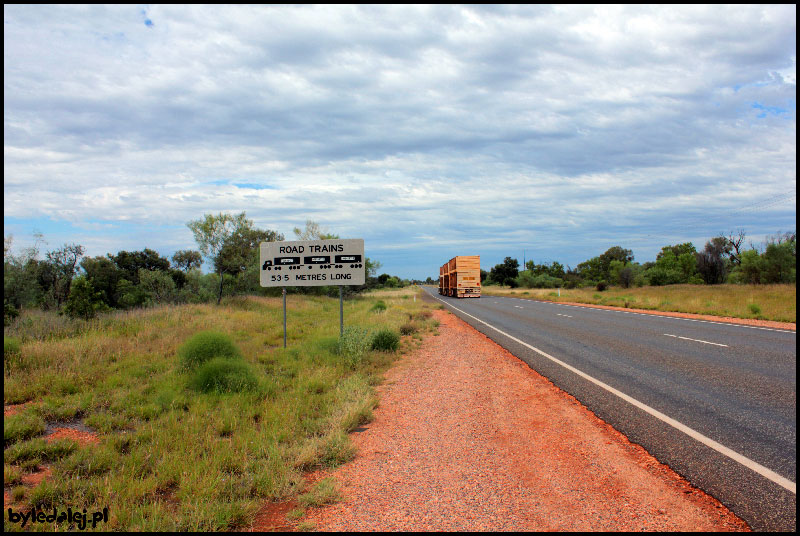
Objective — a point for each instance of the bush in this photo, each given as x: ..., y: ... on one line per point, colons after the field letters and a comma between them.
x: 528, y: 280
x: 754, y: 309
x: 207, y: 345
x: 223, y: 375
x: 408, y: 329
x: 385, y: 340
x: 9, y: 313
x: 601, y: 286
x: 83, y: 301
x: 354, y: 344
x: 380, y: 306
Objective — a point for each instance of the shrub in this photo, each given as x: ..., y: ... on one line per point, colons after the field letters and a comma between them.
x: 207, y: 345
x: 380, y: 306
x: 385, y: 340
x: 354, y: 344
x: 83, y: 301
x: 408, y: 329
x: 601, y: 286
x: 9, y: 313
x: 223, y: 375
x: 755, y: 309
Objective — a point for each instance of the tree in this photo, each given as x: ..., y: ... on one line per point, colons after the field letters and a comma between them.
x: 104, y: 276
x: 313, y: 232
x: 712, y: 263
x: 242, y: 249
x: 214, y: 233
x: 130, y: 262
x: 506, y: 273
x: 614, y: 253
x: 187, y: 259
x: 83, y: 301
x: 158, y: 285
x: 736, y: 239
x: 60, y: 270
x: 780, y: 259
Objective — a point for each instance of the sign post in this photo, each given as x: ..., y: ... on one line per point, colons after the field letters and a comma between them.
x: 313, y: 263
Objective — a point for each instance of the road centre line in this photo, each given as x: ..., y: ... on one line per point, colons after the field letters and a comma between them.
x: 696, y: 340
x: 722, y: 449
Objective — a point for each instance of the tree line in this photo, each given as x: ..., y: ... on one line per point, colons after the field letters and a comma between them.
x: 723, y: 259
x: 66, y: 281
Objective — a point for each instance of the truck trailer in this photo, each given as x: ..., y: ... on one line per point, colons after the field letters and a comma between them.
x: 460, y: 277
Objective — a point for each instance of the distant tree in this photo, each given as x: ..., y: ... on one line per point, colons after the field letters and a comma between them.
x: 228, y: 242
x: 736, y: 242
x: 21, y: 272
x: 60, y: 269
x: 241, y: 250
x: 130, y: 262
x: 615, y: 253
x: 104, y: 276
x: 780, y: 259
x: 158, y: 285
x: 677, y: 250
x: 187, y: 259
x: 751, y: 267
x: 712, y: 262
x: 590, y: 270
x: 83, y: 301
x: 506, y: 273
x: 313, y: 231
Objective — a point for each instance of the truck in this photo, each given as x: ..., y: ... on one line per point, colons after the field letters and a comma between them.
x: 460, y: 277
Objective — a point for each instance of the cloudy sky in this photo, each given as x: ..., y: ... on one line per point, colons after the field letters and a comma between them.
x: 549, y: 132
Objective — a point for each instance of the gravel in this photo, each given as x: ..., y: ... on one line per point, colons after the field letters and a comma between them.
x: 467, y: 437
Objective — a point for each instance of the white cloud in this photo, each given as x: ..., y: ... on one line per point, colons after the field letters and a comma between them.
x: 573, y: 124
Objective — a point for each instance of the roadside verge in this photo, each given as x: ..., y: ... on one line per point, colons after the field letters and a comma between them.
x: 468, y: 437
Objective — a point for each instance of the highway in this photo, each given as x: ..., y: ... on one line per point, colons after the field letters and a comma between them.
x: 714, y: 401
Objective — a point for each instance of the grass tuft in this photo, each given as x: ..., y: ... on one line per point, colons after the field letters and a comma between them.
x: 223, y: 375
x: 205, y: 346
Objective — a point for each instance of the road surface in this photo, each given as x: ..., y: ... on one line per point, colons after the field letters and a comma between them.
x: 714, y: 401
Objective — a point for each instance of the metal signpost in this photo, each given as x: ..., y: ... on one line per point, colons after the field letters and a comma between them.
x: 313, y: 263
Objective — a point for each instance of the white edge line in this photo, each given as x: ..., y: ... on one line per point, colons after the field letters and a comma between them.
x: 722, y: 449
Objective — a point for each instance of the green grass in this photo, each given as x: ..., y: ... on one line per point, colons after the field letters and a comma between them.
x: 326, y: 491
x: 177, y: 456
x: 767, y: 302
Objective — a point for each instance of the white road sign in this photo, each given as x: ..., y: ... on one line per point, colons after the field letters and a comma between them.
x: 309, y: 263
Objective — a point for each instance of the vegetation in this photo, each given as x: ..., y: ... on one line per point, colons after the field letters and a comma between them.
x: 84, y: 287
x: 197, y: 447
x: 766, y: 302
x: 723, y: 262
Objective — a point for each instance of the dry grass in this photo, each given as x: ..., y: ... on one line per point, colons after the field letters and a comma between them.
x: 763, y: 302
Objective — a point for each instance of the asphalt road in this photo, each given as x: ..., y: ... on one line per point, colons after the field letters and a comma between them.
x: 714, y: 401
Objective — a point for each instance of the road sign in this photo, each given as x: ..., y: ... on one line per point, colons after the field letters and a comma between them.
x: 310, y: 263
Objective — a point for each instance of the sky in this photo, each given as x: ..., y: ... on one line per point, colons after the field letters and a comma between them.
x: 545, y: 133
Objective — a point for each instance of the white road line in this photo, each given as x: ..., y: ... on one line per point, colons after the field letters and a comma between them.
x: 518, y: 307
x: 559, y: 314
x: 696, y: 340
x: 722, y: 449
